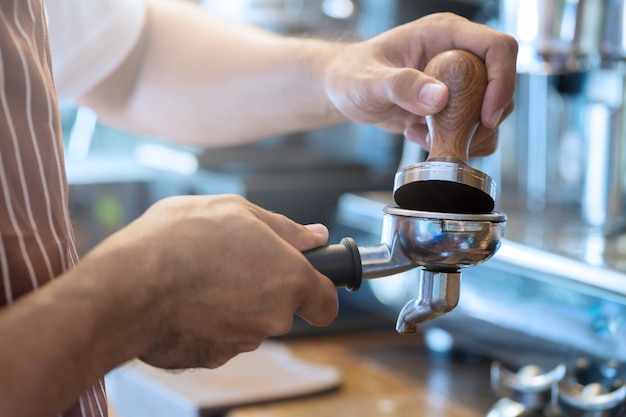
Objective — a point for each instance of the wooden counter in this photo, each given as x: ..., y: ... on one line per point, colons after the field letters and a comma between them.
x: 386, y: 374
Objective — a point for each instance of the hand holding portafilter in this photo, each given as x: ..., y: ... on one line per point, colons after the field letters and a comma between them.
x: 443, y: 221
x: 445, y: 182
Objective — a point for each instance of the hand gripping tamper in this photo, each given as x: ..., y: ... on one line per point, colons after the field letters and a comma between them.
x: 443, y: 220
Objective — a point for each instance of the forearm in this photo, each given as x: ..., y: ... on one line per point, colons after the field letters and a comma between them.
x: 63, y: 337
x: 199, y: 80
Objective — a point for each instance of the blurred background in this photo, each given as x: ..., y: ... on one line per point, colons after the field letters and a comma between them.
x: 555, y: 291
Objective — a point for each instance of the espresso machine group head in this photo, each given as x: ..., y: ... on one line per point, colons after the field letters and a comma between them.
x: 444, y: 218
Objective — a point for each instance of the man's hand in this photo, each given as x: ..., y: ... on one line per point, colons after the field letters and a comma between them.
x: 379, y: 81
x: 222, y: 274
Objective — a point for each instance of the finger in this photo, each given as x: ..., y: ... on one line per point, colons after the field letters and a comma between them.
x: 499, y: 94
x: 418, y: 133
x: 508, y: 110
x: 485, y: 142
x: 299, y: 236
x: 415, y: 92
x: 500, y: 60
x: 321, y: 307
x: 318, y: 229
x: 498, y: 51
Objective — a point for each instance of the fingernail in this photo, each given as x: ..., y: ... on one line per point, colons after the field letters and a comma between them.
x: 495, y: 118
x: 318, y: 229
x: 431, y: 95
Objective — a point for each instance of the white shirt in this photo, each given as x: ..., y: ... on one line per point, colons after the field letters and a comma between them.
x: 89, y: 39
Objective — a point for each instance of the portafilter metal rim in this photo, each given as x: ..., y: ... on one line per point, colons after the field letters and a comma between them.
x: 493, y: 217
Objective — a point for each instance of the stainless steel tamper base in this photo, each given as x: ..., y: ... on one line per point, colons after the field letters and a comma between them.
x: 445, y: 171
x: 444, y: 186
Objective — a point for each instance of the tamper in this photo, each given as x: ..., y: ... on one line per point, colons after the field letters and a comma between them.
x: 446, y: 182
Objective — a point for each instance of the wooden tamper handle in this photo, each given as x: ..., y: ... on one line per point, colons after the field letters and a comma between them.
x: 452, y: 129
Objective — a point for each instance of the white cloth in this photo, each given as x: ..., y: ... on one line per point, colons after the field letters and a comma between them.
x: 89, y: 39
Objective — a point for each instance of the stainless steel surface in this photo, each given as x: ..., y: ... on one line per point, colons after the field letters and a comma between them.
x: 569, y: 106
x: 582, y: 390
x: 592, y: 388
x: 558, y: 244
x: 580, y: 401
x: 613, y: 37
x: 554, y: 36
x: 603, y: 196
x: 563, y: 146
x: 592, y: 398
x: 506, y: 407
x: 529, y: 389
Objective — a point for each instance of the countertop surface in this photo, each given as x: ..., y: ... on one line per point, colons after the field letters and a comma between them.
x: 387, y: 374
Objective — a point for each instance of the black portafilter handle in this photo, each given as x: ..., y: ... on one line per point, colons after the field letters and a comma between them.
x: 341, y: 262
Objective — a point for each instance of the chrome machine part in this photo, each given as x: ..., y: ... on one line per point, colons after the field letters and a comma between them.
x: 590, y: 389
x: 612, y: 44
x: 555, y: 36
x: 529, y: 389
x: 580, y: 401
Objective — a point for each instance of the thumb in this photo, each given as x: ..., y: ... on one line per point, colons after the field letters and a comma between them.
x: 299, y: 236
x: 318, y: 229
x: 416, y: 92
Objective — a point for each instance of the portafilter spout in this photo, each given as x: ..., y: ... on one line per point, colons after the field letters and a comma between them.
x: 441, y: 243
